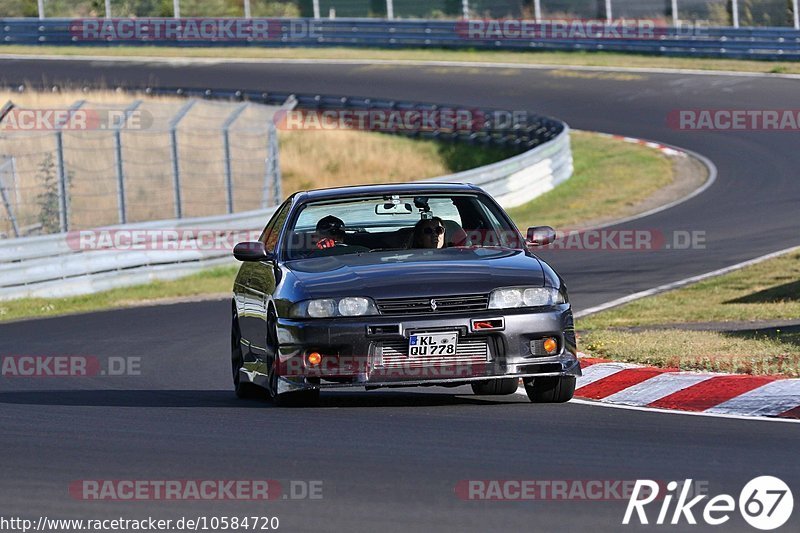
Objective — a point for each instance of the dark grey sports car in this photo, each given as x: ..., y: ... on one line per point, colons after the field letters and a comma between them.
x: 399, y: 285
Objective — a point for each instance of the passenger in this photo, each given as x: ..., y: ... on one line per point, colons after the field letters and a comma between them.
x: 329, y: 232
x: 428, y: 233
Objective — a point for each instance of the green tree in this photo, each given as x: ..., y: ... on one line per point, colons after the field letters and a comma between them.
x: 746, y: 13
x: 377, y: 8
x: 49, y: 216
x: 18, y: 8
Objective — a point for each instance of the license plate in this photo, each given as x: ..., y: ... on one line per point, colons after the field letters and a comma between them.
x: 432, y: 344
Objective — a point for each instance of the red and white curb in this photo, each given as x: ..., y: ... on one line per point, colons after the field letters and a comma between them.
x: 663, y: 148
x: 664, y: 388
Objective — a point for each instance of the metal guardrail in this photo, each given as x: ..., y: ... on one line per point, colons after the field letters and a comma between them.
x: 529, y: 132
x: 520, y: 179
x: 57, y: 265
x: 754, y: 43
x: 54, y: 265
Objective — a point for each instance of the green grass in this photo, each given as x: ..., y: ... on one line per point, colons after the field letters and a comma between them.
x: 610, y: 178
x: 578, y: 58
x: 600, y: 185
x: 766, y: 291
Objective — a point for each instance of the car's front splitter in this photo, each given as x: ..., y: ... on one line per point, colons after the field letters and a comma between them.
x: 570, y: 367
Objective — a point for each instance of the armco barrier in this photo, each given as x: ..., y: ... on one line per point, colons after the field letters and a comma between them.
x: 48, y: 266
x: 51, y: 266
x: 518, y: 135
x: 752, y: 43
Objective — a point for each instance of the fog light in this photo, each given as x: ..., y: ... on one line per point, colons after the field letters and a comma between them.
x: 550, y: 345
x: 314, y: 358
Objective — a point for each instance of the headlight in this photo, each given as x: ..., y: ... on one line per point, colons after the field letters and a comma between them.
x: 524, y: 297
x: 332, y: 307
x: 321, y: 308
x: 353, y: 306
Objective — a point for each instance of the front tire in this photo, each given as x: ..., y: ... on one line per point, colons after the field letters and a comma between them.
x: 495, y: 387
x: 551, y: 389
x: 242, y: 389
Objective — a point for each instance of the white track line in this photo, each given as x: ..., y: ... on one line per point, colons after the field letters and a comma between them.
x: 768, y: 400
x: 399, y: 62
x: 683, y: 282
x: 657, y: 387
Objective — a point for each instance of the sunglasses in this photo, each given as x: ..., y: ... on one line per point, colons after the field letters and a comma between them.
x: 438, y: 230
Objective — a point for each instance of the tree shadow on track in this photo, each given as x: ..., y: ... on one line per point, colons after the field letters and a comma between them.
x: 226, y: 399
x: 126, y: 398
x: 411, y: 399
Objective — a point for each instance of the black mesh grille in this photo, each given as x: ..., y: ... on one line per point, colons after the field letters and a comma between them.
x: 445, y: 304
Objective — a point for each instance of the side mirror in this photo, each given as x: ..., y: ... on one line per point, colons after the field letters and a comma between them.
x: 540, y: 236
x: 251, y: 251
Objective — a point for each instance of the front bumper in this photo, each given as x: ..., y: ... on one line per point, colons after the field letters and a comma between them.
x: 353, y: 353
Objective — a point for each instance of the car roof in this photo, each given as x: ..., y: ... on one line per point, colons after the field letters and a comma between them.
x: 387, y: 188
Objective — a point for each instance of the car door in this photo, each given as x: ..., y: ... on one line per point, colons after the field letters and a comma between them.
x: 258, y: 283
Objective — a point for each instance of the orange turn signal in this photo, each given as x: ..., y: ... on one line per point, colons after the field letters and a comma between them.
x: 314, y: 358
x: 550, y: 345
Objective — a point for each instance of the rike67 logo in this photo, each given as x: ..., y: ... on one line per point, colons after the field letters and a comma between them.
x: 765, y: 503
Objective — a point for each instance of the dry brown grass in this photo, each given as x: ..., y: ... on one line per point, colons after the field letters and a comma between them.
x: 312, y: 159
x: 710, y: 351
x: 579, y: 58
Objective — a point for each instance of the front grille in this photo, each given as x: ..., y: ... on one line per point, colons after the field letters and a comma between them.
x: 394, y: 354
x: 445, y: 304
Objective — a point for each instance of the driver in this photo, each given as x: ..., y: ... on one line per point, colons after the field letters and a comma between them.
x: 428, y: 233
x: 329, y: 232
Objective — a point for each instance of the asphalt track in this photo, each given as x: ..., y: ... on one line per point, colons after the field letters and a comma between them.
x: 390, y: 460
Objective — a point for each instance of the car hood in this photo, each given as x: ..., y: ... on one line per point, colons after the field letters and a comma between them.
x: 451, y: 271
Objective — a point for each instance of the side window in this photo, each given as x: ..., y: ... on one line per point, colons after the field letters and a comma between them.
x: 271, y: 233
x: 497, y: 234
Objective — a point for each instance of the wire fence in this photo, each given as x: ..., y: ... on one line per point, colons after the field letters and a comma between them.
x: 746, y: 13
x: 93, y: 164
x: 9, y: 193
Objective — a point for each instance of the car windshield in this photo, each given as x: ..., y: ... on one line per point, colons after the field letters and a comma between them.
x: 397, y: 222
